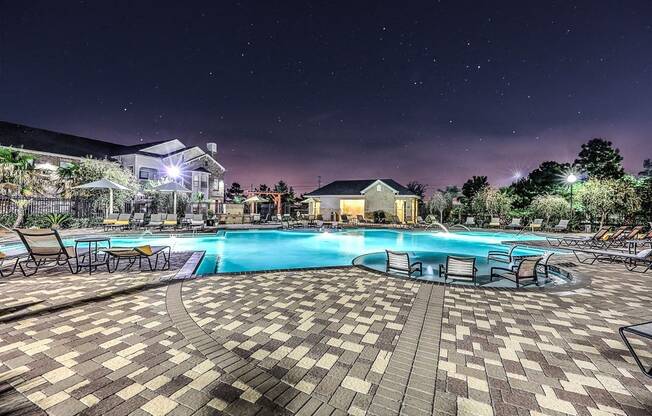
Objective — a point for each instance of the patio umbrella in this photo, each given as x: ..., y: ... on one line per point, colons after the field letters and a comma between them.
x: 173, y: 187
x: 104, y: 184
x: 253, y: 200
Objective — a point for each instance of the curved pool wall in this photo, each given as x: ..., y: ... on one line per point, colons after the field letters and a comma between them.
x: 256, y: 250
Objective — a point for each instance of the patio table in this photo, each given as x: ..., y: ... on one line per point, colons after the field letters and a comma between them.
x: 93, y: 250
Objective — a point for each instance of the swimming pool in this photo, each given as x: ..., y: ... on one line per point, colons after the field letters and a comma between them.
x: 239, y: 251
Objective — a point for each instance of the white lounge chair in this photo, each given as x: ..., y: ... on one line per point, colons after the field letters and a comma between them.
x: 495, y: 222
x: 630, y: 261
x: 561, y: 226
x: 515, y: 224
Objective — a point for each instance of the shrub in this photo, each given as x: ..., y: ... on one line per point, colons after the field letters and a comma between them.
x: 550, y: 208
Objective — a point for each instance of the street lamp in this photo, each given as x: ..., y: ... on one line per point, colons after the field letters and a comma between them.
x: 571, y: 179
x: 173, y: 171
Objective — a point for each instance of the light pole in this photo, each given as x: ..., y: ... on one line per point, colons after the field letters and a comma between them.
x: 571, y: 179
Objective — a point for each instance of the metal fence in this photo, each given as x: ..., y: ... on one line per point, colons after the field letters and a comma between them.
x: 76, y: 207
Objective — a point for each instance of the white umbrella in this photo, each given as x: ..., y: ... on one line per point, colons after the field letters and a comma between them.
x: 173, y: 187
x: 104, y: 184
x: 253, y: 200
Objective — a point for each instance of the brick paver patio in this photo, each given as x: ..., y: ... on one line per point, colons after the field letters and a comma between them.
x: 327, y: 342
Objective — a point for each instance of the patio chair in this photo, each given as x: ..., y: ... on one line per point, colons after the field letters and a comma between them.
x: 537, y: 224
x: 170, y: 221
x: 470, y: 222
x: 561, y: 226
x: 133, y: 254
x: 361, y: 219
x: 138, y: 220
x: 502, y: 256
x: 400, y: 262
x: 595, y: 239
x: 8, y: 264
x: 45, y: 246
x: 630, y: 261
x: 525, y: 271
x: 495, y: 222
x: 344, y: 218
x: 255, y: 218
x: 642, y: 330
x: 515, y: 224
x: 121, y: 223
x: 459, y: 268
x: 155, y: 220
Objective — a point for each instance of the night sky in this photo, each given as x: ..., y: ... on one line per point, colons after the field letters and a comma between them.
x: 428, y: 91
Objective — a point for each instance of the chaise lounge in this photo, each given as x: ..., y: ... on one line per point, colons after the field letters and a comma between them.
x: 133, y: 254
x: 45, y: 246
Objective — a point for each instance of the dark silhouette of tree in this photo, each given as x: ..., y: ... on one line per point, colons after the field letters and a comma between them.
x: 548, y: 178
x: 263, y: 188
x: 417, y: 188
x: 288, y: 196
x: 235, y: 192
x: 473, y: 186
x: 600, y: 160
x: 647, y: 169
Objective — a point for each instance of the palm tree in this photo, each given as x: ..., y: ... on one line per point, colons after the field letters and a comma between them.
x: 66, y: 176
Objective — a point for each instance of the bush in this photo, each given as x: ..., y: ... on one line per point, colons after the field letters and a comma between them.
x: 85, y: 222
x: 379, y: 216
x: 37, y: 221
x: 551, y: 208
x: 8, y: 220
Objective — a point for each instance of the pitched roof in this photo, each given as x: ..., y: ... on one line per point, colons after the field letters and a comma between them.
x: 355, y: 187
x: 41, y: 140
x: 30, y: 138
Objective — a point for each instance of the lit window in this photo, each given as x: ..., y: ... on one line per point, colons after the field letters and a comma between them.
x: 352, y: 207
x: 379, y: 188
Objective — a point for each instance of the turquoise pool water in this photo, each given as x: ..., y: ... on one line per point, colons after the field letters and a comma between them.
x: 236, y: 251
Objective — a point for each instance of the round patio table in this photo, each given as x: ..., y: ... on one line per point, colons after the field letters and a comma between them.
x: 93, y: 250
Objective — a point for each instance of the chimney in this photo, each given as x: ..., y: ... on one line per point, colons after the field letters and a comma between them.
x: 212, y: 149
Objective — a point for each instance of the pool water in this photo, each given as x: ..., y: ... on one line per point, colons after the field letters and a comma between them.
x: 253, y: 250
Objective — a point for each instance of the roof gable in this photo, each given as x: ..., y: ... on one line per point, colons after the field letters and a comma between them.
x: 358, y: 187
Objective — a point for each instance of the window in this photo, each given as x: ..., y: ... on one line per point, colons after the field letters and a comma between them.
x: 148, y: 173
x: 352, y: 207
x: 379, y: 188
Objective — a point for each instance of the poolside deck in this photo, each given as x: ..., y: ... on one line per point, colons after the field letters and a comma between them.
x: 331, y: 341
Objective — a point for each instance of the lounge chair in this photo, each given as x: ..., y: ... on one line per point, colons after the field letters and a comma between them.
x: 633, y: 244
x: 400, y: 262
x: 537, y: 224
x: 155, y: 221
x: 138, y: 220
x: 631, y: 261
x: 196, y: 221
x: 622, y: 238
x: 470, y: 222
x: 170, y: 220
x: 344, y: 218
x: 121, y: 223
x: 255, y: 218
x: 561, y: 226
x: 595, y: 239
x: 8, y: 264
x: 642, y: 330
x: 45, y: 246
x: 109, y: 220
x: 459, y: 268
x: 515, y: 224
x: 525, y: 271
x: 361, y: 219
x: 494, y: 223
x: 133, y: 254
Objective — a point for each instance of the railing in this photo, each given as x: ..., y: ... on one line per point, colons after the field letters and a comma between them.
x: 76, y: 207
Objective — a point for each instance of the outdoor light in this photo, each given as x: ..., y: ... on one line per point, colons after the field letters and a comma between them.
x: 173, y: 171
x: 571, y: 178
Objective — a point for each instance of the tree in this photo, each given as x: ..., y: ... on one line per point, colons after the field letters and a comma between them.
x: 600, y: 160
x: 438, y: 202
x: 288, y: 196
x: 94, y: 169
x: 263, y: 188
x: 18, y: 169
x: 549, y: 207
x: 417, y: 188
x: 473, y: 186
x: 644, y: 189
x: 65, y: 176
x: 628, y: 202
x: 420, y: 190
x: 647, y: 169
x: 234, y: 193
x: 489, y: 201
x: 598, y: 198
x: 548, y: 178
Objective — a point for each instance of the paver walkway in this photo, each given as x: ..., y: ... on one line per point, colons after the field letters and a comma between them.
x: 331, y: 341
